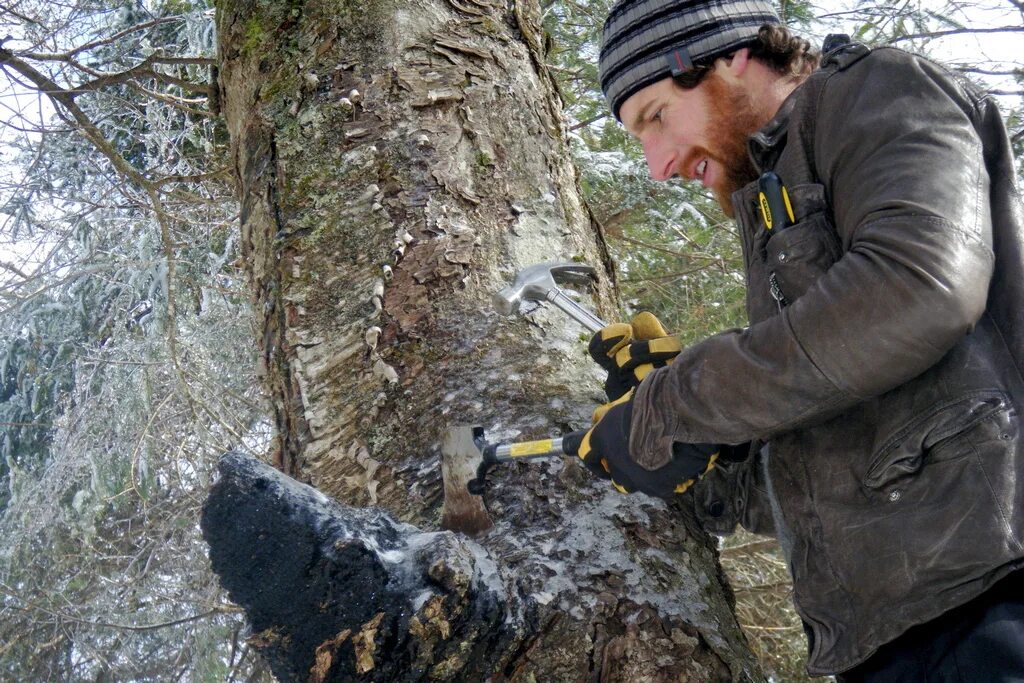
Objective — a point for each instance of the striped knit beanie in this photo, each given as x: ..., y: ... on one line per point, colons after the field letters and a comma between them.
x: 645, y: 41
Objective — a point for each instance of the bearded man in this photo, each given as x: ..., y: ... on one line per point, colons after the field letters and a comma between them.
x: 868, y: 416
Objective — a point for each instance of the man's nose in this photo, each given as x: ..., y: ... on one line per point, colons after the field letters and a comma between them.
x: 661, y: 161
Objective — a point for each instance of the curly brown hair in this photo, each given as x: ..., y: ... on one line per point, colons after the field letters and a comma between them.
x: 782, y: 51
x: 786, y: 53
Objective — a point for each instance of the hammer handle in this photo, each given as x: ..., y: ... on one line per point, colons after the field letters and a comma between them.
x: 577, y: 312
x: 524, y: 450
x: 531, y: 450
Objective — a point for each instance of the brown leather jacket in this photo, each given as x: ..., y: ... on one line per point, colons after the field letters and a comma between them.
x: 888, y: 385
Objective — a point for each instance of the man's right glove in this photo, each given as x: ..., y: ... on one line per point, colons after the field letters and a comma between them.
x: 594, y: 459
x: 605, y: 451
x: 629, y: 351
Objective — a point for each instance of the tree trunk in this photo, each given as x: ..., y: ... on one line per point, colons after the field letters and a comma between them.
x: 398, y: 162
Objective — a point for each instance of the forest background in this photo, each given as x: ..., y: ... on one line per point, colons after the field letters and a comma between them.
x: 127, y: 365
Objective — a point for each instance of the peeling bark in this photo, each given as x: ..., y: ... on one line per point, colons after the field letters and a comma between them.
x: 397, y: 163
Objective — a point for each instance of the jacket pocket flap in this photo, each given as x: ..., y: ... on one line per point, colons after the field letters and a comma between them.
x: 904, y: 451
x: 802, y: 253
x: 810, y: 241
x: 807, y: 200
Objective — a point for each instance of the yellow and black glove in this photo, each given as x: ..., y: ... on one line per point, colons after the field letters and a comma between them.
x: 605, y: 343
x: 629, y: 351
x: 605, y: 451
x: 594, y: 459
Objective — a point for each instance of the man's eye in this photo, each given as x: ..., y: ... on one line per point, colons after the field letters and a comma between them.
x: 656, y: 116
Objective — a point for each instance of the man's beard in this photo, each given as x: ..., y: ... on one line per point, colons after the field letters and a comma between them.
x: 734, y: 118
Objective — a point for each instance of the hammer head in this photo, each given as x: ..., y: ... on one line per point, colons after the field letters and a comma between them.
x: 463, y: 468
x: 533, y: 283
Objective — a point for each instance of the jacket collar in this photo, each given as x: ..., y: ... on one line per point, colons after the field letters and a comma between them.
x: 767, y: 144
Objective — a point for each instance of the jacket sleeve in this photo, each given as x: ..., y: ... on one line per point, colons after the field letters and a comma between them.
x: 903, y: 169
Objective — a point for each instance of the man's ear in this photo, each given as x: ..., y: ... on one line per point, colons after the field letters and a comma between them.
x: 734, y: 67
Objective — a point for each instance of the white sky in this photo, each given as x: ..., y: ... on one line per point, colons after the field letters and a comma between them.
x: 1004, y: 49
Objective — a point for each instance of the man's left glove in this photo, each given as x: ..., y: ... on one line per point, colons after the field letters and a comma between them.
x: 605, y: 451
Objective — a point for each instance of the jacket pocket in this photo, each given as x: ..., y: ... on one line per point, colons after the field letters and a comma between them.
x: 938, y: 509
x: 800, y: 254
x: 933, y: 436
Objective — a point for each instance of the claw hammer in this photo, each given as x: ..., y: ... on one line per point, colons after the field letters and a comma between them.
x: 539, y: 283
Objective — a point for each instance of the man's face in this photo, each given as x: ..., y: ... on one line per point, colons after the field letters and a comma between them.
x: 699, y: 134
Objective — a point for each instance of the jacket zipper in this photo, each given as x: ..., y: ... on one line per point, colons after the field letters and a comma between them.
x: 776, y: 291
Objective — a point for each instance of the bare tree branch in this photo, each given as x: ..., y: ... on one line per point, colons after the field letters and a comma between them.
x: 200, y: 61
x: 197, y: 178
x: 584, y: 124
x: 14, y: 13
x: 970, y: 69
x: 671, y: 276
x: 121, y: 627
x: 68, y: 55
x: 11, y: 268
x: 176, y: 102
x: 616, y: 234
x: 954, y: 32
x: 143, y: 69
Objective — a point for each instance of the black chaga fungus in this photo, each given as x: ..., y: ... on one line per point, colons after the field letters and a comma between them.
x: 334, y: 593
